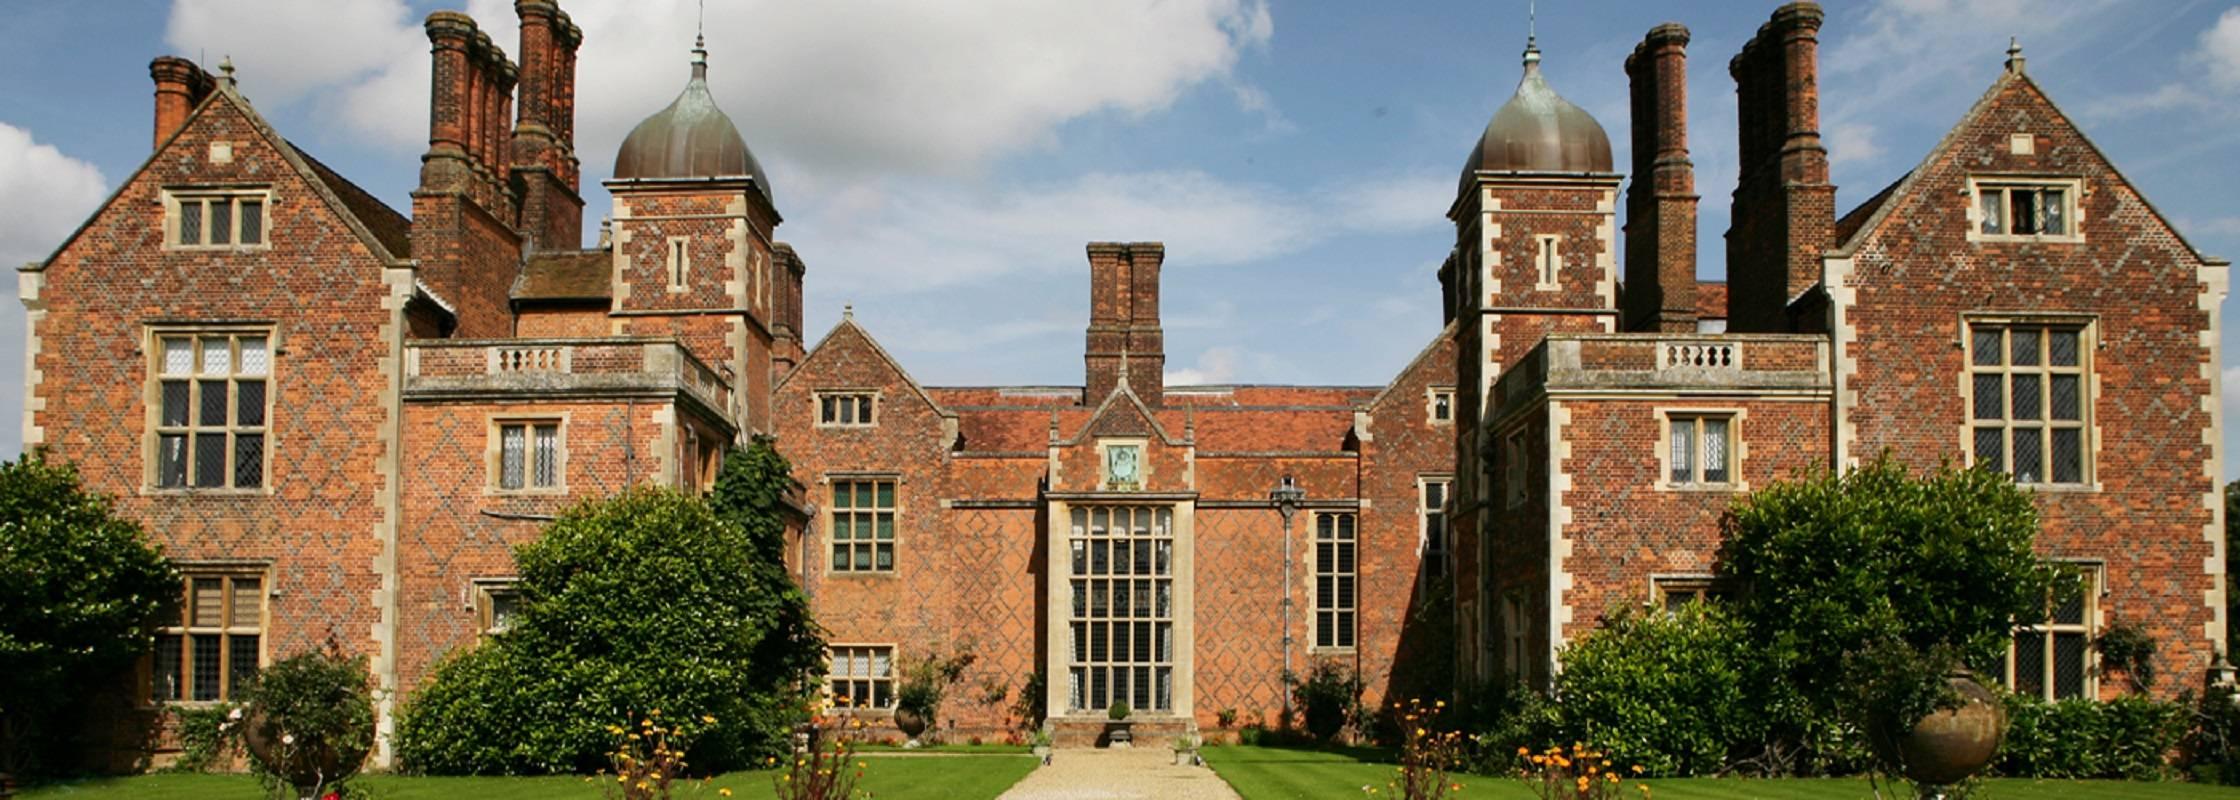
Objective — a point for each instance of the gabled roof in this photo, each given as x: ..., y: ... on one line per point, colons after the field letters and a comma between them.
x: 385, y: 232
x: 566, y: 275
x: 848, y: 323
x: 1861, y: 223
x: 1123, y: 400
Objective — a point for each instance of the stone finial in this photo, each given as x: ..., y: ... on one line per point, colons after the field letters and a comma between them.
x: 2014, y: 55
x: 225, y: 70
x: 848, y: 311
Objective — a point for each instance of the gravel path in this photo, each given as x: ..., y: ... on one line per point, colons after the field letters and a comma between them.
x: 1142, y: 772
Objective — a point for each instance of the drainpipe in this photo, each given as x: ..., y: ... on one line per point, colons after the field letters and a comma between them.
x: 1287, y: 497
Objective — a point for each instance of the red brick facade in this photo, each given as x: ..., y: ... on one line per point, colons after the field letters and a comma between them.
x: 1120, y: 536
x: 1854, y: 337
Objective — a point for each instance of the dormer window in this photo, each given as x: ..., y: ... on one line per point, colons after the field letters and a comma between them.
x: 2025, y: 210
x: 217, y: 219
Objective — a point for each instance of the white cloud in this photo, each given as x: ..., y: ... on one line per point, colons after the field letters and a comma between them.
x: 2220, y: 49
x: 44, y: 195
x: 284, y: 49
x: 899, y: 236
x: 1851, y: 142
x: 1215, y: 365
x: 865, y: 87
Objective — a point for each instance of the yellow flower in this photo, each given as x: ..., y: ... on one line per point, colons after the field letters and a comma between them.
x: 726, y: 791
x: 1637, y: 769
x: 654, y: 713
x: 708, y: 718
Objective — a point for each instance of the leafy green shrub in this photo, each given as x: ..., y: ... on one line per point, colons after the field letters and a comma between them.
x: 1327, y: 697
x: 924, y: 682
x: 1119, y: 710
x: 315, y: 711
x: 647, y: 601
x: 207, y: 736
x: 1027, y: 709
x: 1510, y: 716
x: 1862, y: 591
x: 2126, y: 648
x: 81, y: 593
x: 1670, y: 692
x: 2128, y: 737
x: 2212, y: 747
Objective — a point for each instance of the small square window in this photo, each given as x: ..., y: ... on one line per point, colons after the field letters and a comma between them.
x: 500, y: 605
x: 1670, y: 592
x: 2025, y: 210
x: 1701, y: 450
x: 845, y: 409
x: 529, y: 455
x: 1442, y: 404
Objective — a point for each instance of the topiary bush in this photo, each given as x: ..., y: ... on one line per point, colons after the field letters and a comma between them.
x: 1860, y: 591
x: 648, y: 601
x: 1670, y: 692
x: 2129, y: 737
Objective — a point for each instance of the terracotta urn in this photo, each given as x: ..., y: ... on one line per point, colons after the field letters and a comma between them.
x: 305, y: 764
x: 1951, y: 744
x: 910, y: 722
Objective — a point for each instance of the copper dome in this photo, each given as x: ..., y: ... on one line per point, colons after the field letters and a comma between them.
x: 1539, y: 131
x: 689, y: 139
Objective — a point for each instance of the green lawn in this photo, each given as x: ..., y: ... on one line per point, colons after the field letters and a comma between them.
x: 1263, y: 773
x: 933, y: 777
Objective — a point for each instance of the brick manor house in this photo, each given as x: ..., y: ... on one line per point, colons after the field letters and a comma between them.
x: 339, y: 419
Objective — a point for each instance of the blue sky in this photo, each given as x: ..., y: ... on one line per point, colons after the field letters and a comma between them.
x: 941, y: 164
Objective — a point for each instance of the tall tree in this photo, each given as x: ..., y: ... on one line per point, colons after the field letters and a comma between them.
x: 81, y: 593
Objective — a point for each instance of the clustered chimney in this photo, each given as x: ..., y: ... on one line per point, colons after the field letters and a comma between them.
x: 545, y: 172
x: 1660, y: 289
x: 180, y: 86
x: 1784, y: 206
x: 470, y: 114
x: 1124, y: 336
x: 786, y: 348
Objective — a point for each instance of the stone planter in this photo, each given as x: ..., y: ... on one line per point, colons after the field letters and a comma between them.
x: 1042, y: 753
x: 1949, y: 745
x: 910, y: 722
x: 1186, y: 758
x: 1119, y: 734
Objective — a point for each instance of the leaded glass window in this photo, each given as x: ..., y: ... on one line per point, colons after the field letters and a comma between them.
x: 1120, y: 625
x: 215, y: 645
x: 1336, y: 580
x: 2028, y: 401
x: 529, y: 455
x: 2051, y: 655
x: 212, y: 402
x: 1702, y: 449
x: 863, y: 525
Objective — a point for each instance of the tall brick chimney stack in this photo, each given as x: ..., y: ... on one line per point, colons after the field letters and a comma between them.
x: 544, y: 168
x: 1661, y: 204
x: 180, y: 86
x: 1784, y: 206
x: 464, y: 178
x: 786, y: 347
x: 1124, y: 334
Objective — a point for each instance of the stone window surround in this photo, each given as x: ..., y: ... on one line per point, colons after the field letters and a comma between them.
x: 493, y: 454
x: 1057, y: 590
x: 261, y: 570
x: 891, y: 679
x: 151, y: 401
x: 2095, y: 613
x: 2072, y: 210
x: 1431, y: 397
x: 826, y: 513
x: 1738, y: 448
x: 173, y: 195
x: 2088, y: 349
x: 1547, y: 262
x: 1663, y: 585
x: 1315, y: 605
x: 679, y: 262
x: 1423, y: 521
x: 483, y: 601
x: 1143, y: 463
x: 868, y: 416
x: 1516, y: 467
